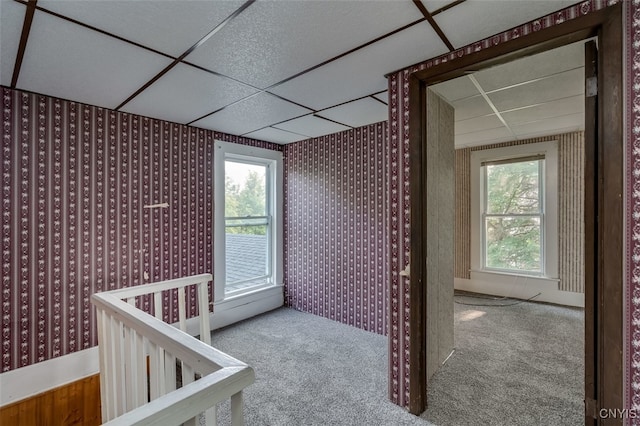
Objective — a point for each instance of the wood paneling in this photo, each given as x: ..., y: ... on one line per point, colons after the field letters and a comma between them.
x: 462, y: 253
x: 439, y: 214
x: 77, y: 403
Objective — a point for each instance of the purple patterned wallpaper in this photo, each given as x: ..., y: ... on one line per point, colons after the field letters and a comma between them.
x: 399, y: 202
x: 75, y: 179
x: 632, y: 258
x: 336, y: 253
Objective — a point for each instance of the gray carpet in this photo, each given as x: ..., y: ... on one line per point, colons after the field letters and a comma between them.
x: 517, y: 365
x: 313, y: 371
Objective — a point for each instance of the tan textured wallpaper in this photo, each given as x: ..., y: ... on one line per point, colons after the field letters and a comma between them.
x: 570, y: 207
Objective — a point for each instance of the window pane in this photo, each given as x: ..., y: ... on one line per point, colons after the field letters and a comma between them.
x: 246, y: 254
x: 245, y: 189
x: 512, y: 188
x: 513, y: 243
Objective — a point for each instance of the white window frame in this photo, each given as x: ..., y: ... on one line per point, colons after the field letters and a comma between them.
x: 549, y: 237
x: 274, y: 192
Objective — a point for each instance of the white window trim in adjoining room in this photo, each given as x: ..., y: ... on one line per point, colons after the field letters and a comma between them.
x: 233, y: 307
x: 507, y: 283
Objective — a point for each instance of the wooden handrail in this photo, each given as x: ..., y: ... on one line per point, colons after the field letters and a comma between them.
x: 154, y: 373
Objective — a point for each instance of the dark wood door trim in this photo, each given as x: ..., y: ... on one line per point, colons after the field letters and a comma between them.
x: 590, y: 238
x: 417, y: 255
x: 610, y: 237
x: 608, y: 282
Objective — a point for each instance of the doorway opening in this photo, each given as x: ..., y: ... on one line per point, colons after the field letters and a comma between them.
x: 603, y: 217
x: 519, y: 237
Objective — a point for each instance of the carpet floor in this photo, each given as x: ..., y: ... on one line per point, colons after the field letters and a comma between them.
x: 515, y: 365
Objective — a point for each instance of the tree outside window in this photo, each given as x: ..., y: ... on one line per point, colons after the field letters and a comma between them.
x: 513, y: 214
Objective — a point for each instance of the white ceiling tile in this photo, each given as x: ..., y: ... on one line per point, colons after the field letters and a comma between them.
x: 171, y: 27
x: 273, y: 40
x: 274, y: 135
x: 475, y: 20
x: 186, y: 93
x: 11, y: 19
x: 311, y: 126
x: 456, y: 89
x: 384, y: 97
x: 558, y: 86
x: 477, y: 124
x: 362, y: 72
x: 484, y: 137
x: 69, y: 61
x: 433, y: 5
x: 251, y: 114
x: 572, y: 105
x: 471, y: 107
x: 547, y: 63
x: 358, y: 113
x: 550, y: 126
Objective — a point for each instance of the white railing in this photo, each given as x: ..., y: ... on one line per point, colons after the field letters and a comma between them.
x: 154, y: 373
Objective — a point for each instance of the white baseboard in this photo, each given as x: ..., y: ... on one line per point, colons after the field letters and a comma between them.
x: 34, y: 379
x: 242, y: 307
x: 519, y: 287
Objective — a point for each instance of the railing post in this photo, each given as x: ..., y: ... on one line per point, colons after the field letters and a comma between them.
x: 237, y: 417
x: 203, y: 302
x: 138, y: 355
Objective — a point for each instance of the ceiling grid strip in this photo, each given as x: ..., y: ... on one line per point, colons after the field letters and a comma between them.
x: 491, y: 105
x: 188, y: 51
x: 433, y: 24
x: 24, y: 38
x: 447, y: 7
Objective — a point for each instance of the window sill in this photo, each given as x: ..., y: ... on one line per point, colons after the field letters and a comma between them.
x: 514, y: 274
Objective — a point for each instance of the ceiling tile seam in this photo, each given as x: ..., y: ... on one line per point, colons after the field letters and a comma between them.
x: 275, y: 124
x: 334, y: 121
x: 519, y: 84
x: 103, y: 32
x: 433, y: 24
x: 289, y: 131
x: 188, y: 51
x: 541, y: 103
x: 217, y: 74
x: 24, y: 38
x: 379, y: 100
x: 535, y: 80
x: 226, y: 106
x: 546, y: 119
x: 316, y: 67
x: 491, y: 105
x: 289, y: 100
x: 284, y: 99
x: 142, y: 46
x: 295, y: 118
x: 447, y: 7
x: 348, y: 52
x: 478, y: 131
x: 349, y: 101
x: 475, y: 118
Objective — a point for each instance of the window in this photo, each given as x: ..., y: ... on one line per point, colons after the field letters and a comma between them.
x: 248, y: 220
x: 514, y: 206
x: 513, y: 214
x: 247, y: 225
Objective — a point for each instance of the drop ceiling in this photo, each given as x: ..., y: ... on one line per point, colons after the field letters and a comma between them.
x: 276, y: 70
x: 535, y: 96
